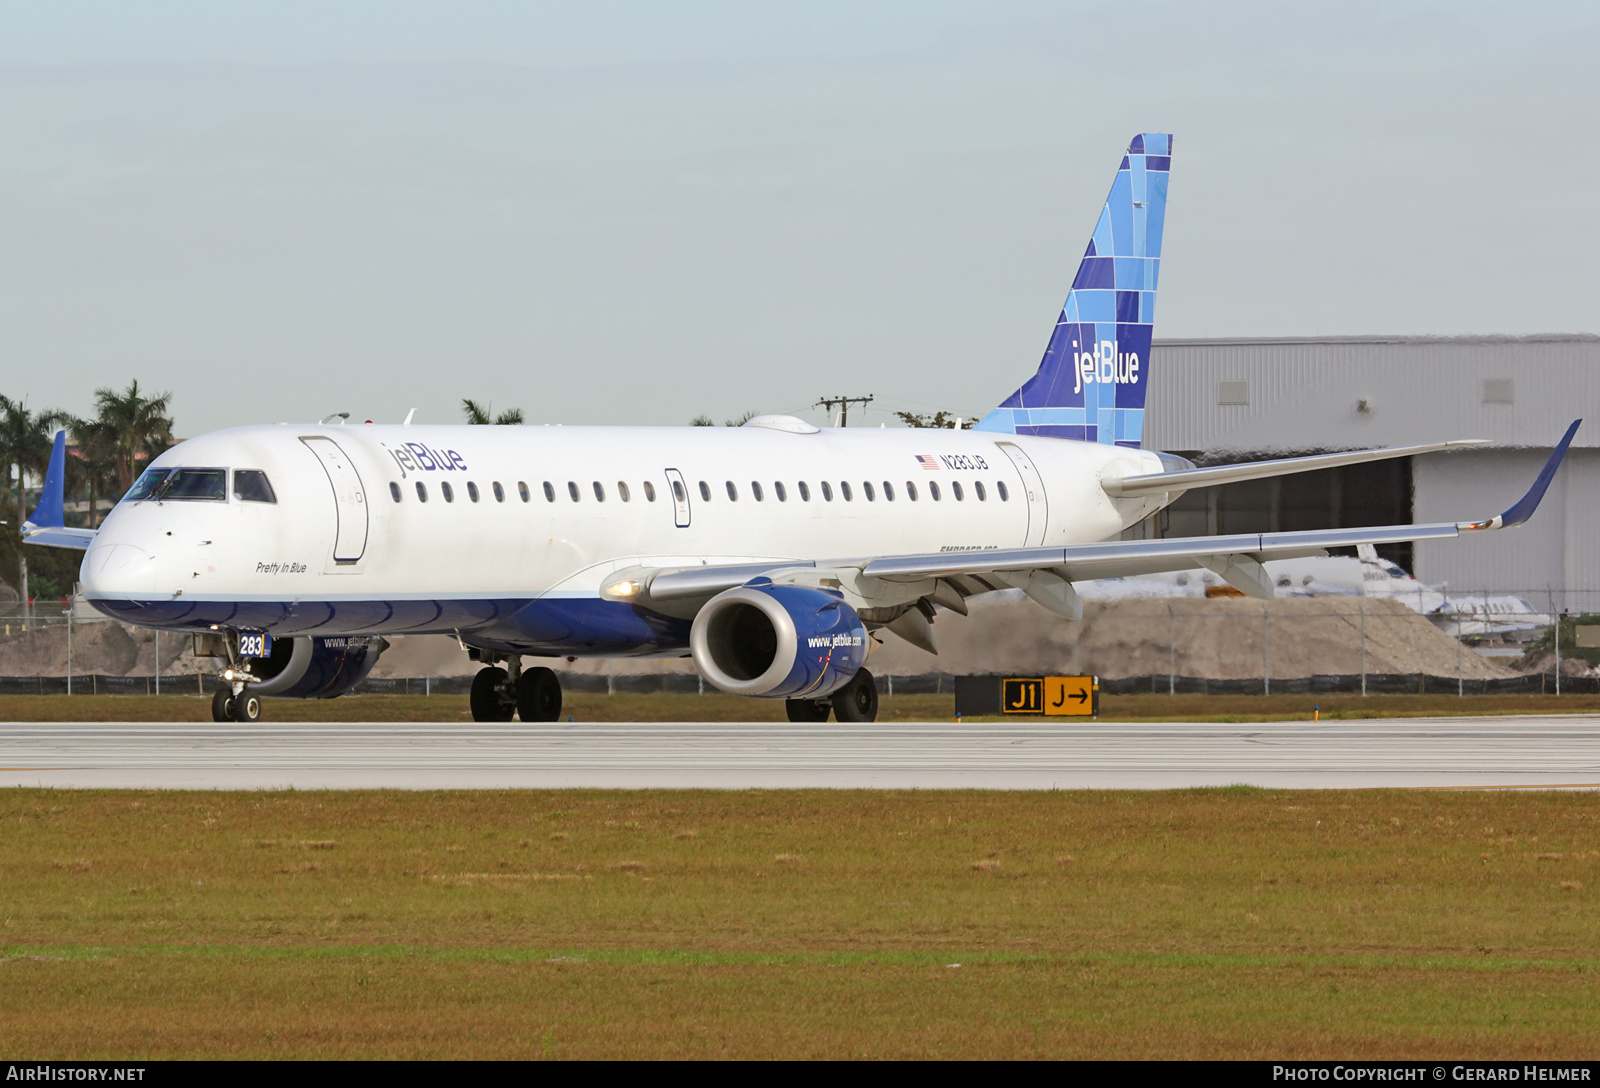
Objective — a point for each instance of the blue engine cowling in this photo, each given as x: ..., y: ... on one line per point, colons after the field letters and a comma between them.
x: 778, y: 642
x: 311, y: 667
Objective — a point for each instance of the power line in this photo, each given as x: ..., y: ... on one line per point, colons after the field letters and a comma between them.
x: 844, y: 404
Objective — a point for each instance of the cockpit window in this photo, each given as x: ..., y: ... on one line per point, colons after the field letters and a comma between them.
x: 195, y: 484
x: 146, y: 484
x: 252, y: 485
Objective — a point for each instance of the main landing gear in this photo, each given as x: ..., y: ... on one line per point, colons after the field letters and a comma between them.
x: 498, y: 695
x: 857, y: 701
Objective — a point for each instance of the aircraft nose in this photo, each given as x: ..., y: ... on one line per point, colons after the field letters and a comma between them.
x: 117, y: 570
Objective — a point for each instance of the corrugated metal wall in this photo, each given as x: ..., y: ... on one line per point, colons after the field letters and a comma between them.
x: 1555, y: 551
x: 1518, y: 392
x: 1305, y: 394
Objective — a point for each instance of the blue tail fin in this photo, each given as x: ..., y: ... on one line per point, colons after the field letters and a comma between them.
x: 1091, y: 383
x: 51, y: 511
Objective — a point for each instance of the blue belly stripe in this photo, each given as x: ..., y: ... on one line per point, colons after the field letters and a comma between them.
x: 546, y: 626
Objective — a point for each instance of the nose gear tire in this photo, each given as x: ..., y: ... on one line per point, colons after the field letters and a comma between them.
x: 246, y: 707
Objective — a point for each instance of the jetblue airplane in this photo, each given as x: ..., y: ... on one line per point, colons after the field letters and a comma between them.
x: 775, y: 554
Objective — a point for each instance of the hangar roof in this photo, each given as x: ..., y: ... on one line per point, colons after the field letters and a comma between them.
x: 1341, y: 392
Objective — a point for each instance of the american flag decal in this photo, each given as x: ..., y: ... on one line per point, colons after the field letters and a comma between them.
x: 927, y: 462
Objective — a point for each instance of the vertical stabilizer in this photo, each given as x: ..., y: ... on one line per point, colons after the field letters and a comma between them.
x: 1092, y: 381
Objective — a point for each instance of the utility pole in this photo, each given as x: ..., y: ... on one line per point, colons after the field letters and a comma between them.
x: 844, y: 404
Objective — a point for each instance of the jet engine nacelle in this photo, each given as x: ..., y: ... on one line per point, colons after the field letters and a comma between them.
x: 778, y: 642
x: 311, y: 667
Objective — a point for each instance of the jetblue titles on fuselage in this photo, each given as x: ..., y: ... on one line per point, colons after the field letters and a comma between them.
x: 415, y: 457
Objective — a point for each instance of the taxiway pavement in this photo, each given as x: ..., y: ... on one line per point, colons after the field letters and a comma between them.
x: 1498, y: 752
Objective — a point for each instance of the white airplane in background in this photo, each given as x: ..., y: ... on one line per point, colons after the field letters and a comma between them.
x: 1366, y: 574
x: 770, y: 553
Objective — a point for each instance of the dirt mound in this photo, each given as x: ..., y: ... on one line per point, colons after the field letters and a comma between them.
x: 1227, y: 638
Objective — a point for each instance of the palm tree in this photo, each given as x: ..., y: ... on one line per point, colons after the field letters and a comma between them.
x: 95, y: 466
x: 25, y: 441
x: 479, y: 413
x: 137, y: 424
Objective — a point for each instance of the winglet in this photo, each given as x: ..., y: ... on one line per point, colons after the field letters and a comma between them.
x: 51, y: 511
x: 1524, y: 507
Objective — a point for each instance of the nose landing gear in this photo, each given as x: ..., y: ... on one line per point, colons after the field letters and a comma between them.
x: 233, y: 702
x: 498, y: 695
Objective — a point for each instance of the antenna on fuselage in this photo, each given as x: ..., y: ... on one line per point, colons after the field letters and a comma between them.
x: 409, y: 414
x: 340, y: 416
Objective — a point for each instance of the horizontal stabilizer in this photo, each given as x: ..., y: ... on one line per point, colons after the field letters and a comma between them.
x: 1184, y: 479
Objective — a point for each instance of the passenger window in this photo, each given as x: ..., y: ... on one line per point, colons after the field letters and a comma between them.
x: 649, y: 491
x: 146, y: 484
x: 549, y: 492
x: 866, y: 489
x: 844, y: 489
x: 252, y: 485
x: 805, y: 491
x: 1000, y: 486
x: 677, y: 492
x: 447, y: 491
x: 705, y: 491
x: 422, y: 491
x: 622, y: 492
x: 499, y: 492
x: 472, y: 491
x: 977, y: 489
x: 888, y: 491
x: 755, y: 490
x: 911, y: 491
x: 572, y: 490
x: 394, y: 491
x: 522, y: 490
x: 195, y: 485
x: 777, y: 489
x: 733, y: 492
x: 599, y: 492
x: 933, y: 491
x: 827, y: 492
x: 955, y: 489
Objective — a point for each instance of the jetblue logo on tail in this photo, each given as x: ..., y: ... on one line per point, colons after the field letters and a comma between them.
x: 1107, y: 366
x: 1091, y: 383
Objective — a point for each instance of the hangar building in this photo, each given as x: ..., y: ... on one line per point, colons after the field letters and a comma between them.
x: 1216, y: 401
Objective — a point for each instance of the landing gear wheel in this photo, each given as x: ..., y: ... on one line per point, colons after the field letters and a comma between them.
x: 808, y: 710
x: 246, y: 707
x: 539, y: 695
x: 490, y: 701
x: 222, y: 706
x: 857, y: 701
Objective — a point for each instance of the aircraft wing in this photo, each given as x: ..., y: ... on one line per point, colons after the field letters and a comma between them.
x: 48, y: 524
x: 1184, y: 479
x: 1046, y: 574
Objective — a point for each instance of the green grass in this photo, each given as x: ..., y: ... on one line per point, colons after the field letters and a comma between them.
x: 1198, y: 923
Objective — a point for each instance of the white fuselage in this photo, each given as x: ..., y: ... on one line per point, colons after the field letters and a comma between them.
x: 350, y: 546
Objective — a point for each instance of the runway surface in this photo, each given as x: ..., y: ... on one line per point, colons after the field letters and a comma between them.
x: 1501, y: 752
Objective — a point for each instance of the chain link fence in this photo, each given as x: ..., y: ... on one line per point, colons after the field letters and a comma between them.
x: 1162, y: 646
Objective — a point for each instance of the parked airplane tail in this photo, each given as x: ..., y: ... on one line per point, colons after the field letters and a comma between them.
x: 1092, y: 381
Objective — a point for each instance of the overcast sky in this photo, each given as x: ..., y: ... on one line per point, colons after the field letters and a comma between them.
x: 634, y: 213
